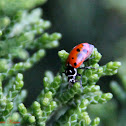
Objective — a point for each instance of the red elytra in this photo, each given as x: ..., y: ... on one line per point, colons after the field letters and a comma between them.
x: 79, y: 54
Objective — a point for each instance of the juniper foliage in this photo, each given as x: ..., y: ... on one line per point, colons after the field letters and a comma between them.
x: 57, y: 104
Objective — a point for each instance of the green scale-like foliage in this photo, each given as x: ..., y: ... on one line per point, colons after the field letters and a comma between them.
x: 6, y: 101
x: 90, y: 92
x: 109, y: 113
x: 59, y: 104
x: 19, y: 35
x: 25, y: 32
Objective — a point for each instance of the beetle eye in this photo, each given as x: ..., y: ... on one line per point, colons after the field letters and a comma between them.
x: 70, y: 71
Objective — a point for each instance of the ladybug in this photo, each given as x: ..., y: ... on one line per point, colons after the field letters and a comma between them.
x: 77, y: 56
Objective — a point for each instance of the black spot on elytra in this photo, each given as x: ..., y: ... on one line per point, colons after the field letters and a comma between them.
x: 72, y: 57
x: 75, y: 64
x: 85, y: 51
x: 78, y: 50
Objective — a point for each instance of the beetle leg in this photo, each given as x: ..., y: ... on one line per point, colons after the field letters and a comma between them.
x: 87, y: 68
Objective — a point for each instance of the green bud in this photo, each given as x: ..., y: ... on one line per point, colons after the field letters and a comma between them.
x: 19, y: 77
x: 55, y: 36
x: 84, y: 104
x: 86, y: 117
x: 76, y: 86
x: 15, y: 116
x: 40, y: 53
x: 50, y: 76
x: 9, y: 105
x: 95, y: 88
x: 44, y: 37
x: 22, y: 109
x: 107, y: 96
x: 117, y: 64
x: 36, y: 105
x: 46, y: 83
x: 45, y: 101
x: 27, y: 65
x: 100, y: 71
x: 93, y: 79
x: 109, y: 65
x: 46, y: 24
x: 48, y: 95
x: 53, y: 44
x: 95, y: 122
x: 56, y: 83
x: 63, y: 55
x: 21, y: 83
x: 31, y: 119
x: 88, y: 73
x: 53, y: 105
x: 97, y: 56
